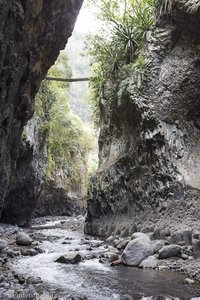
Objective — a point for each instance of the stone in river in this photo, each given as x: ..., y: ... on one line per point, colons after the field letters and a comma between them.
x: 150, y: 262
x: 71, y: 258
x: 137, y: 250
x: 23, y: 239
x: 29, y: 252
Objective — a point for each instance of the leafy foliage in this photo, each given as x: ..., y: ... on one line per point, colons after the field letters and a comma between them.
x: 118, y: 45
x: 67, y: 141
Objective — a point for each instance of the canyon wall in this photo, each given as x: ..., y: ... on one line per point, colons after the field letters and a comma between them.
x: 32, y: 33
x: 149, y: 148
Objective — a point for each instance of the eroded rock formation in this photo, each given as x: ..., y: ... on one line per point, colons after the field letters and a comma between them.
x: 32, y: 33
x: 149, y: 173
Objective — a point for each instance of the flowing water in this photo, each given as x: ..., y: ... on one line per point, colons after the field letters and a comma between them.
x: 93, y: 279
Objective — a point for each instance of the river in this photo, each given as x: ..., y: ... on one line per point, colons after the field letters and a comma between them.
x: 95, y: 280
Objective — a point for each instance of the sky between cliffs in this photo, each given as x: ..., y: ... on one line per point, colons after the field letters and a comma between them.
x: 86, y: 21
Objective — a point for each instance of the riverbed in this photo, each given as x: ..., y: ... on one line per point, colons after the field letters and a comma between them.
x: 92, y: 278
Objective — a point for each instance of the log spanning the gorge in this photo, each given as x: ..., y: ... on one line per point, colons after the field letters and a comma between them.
x: 67, y: 79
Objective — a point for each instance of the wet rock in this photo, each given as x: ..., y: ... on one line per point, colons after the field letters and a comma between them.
x: 157, y: 245
x: 4, y: 284
x: 123, y: 244
x: 184, y: 256
x: 169, y: 251
x: 137, y: 250
x: 39, y: 250
x: 29, y: 252
x: 33, y: 280
x: 2, y: 278
x: 111, y: 256
x: 20, y: 278
x: 163, y: 268
x: 117, y: 241
x: 23, y: 239
x: 70, y: 297
x: 110, y: 239
x: 196, y: 245
x: 9, y: 252
x: 151, y: 262
x: 3, y: 244
x: 71, y: 258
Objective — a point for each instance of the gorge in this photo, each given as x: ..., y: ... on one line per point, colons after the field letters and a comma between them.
x: 148, y: 177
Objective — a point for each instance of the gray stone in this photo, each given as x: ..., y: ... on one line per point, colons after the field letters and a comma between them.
x: 9, y: 252
x: 123, y: 244
x: 111, y: 256
x: 110, y: 239
x: 23, y: 239
x: 71, y: 258
x: 2, y: 278
x: 29, y: 252
x: 169, y: 251
x: 150, y: 262
x: 3, y: 244
x: 137, y: 250
x: 157, y: 245
x: 196, y: 245
x: 184, y: 256
x: 33, y: 280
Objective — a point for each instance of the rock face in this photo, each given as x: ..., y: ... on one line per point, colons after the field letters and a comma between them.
x: 28, y: 176
x: 32, y: 33
x: 56, y: 199
x: 149, y: 170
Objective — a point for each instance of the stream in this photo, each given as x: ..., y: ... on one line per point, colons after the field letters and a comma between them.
x: 94, y: 279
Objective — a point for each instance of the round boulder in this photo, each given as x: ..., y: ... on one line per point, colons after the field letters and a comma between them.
x: 23, y: 239
x: 137, y: 250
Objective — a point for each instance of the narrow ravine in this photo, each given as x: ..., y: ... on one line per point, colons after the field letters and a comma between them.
x: 93, y: 277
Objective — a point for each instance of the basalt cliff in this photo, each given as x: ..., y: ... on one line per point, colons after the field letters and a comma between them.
x: 149, y: 147
x: 32, y: 33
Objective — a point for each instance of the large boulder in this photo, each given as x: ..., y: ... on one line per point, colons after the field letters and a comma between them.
x: 137, y: 250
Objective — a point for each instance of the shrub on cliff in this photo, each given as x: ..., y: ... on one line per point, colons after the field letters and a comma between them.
x: 117, y: 50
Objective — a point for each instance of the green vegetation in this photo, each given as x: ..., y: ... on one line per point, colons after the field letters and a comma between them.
x: 164, y: 6
x: 68, y: 142
x: 117, y: 50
